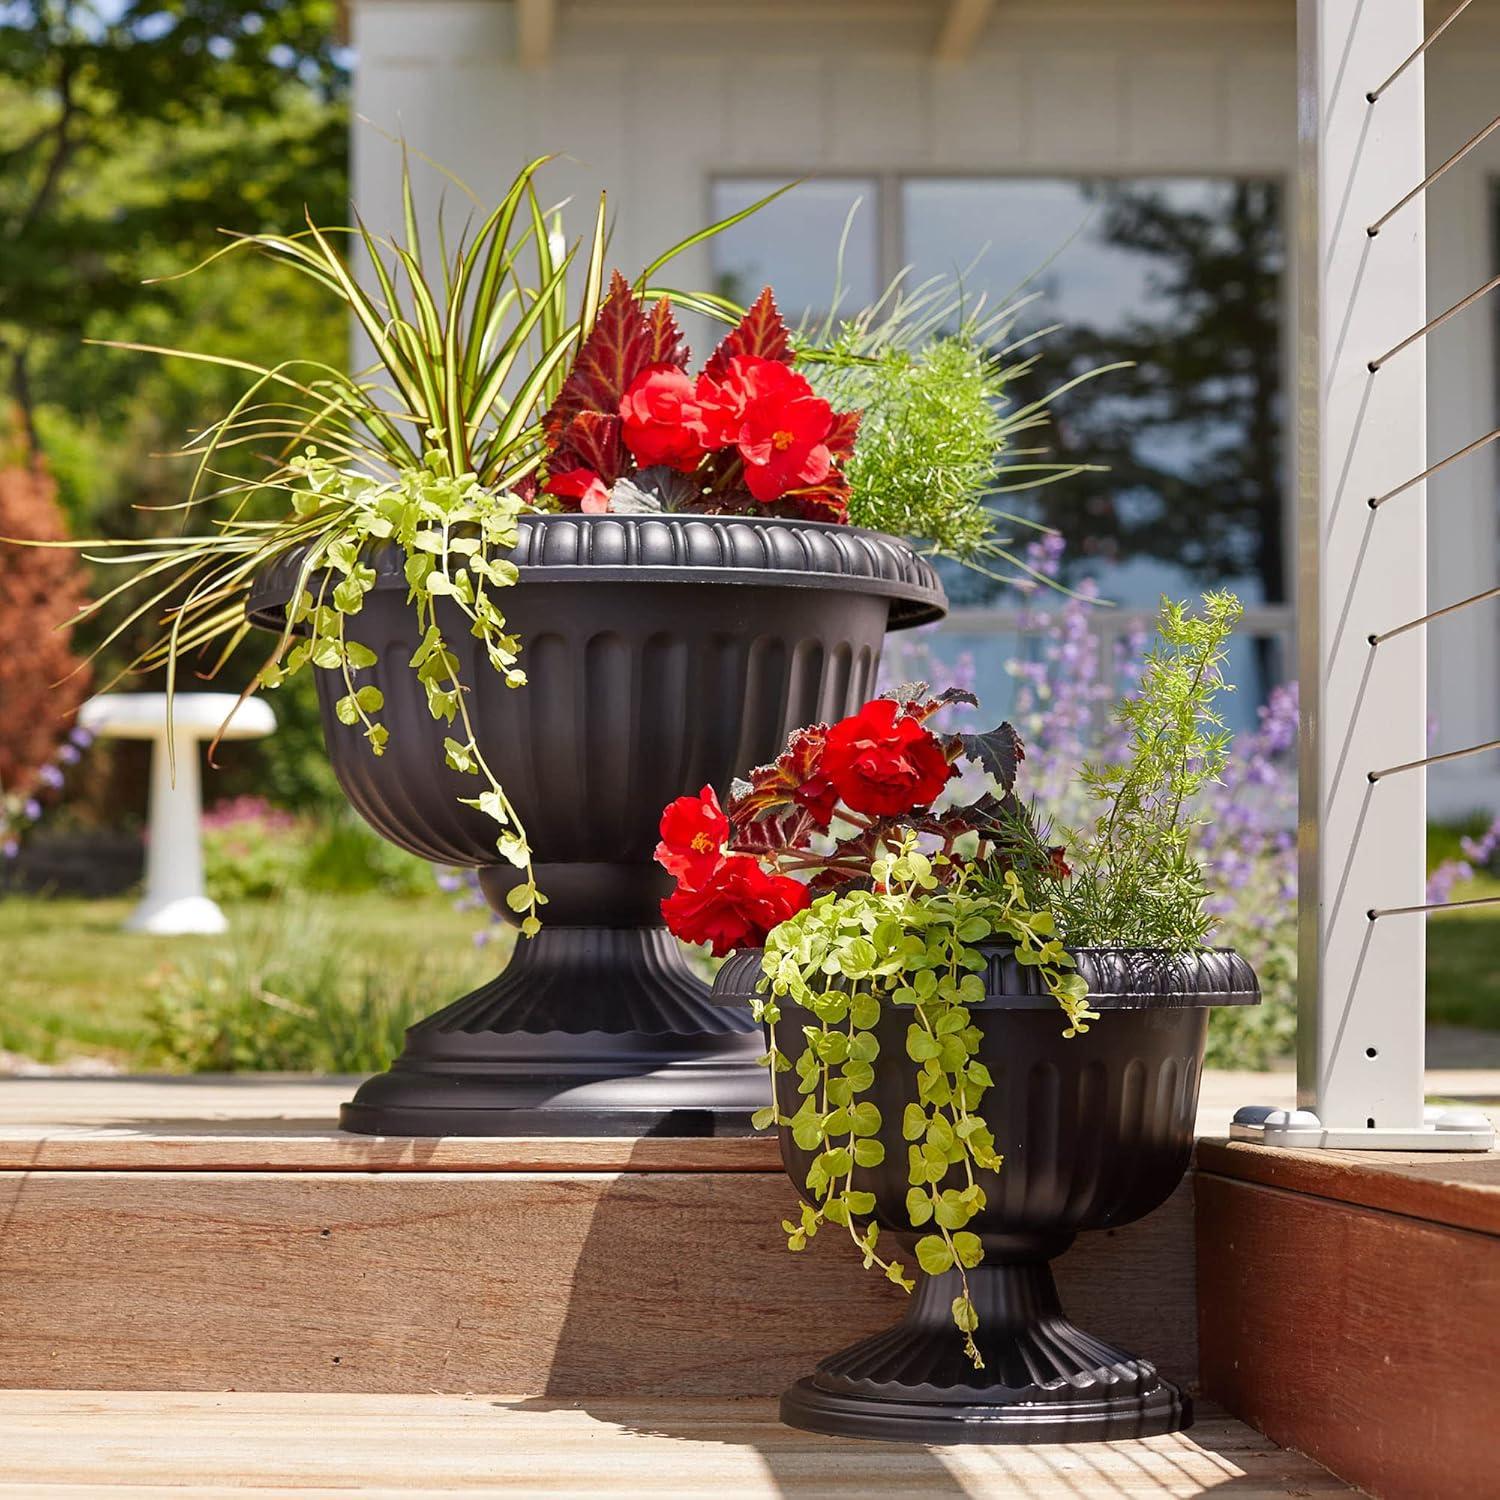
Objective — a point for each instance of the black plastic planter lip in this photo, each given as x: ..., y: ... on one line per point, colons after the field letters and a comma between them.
x: 763, y: 551
x: 1119, y: 979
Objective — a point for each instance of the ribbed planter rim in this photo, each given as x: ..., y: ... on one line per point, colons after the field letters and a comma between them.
x: 1119, y: 979
x: 761, y: 550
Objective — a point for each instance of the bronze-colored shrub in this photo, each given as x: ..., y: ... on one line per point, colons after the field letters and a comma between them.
x: 41, y: 590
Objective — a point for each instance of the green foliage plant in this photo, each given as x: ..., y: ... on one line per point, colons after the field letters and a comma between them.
x: 1137, y: 877
x: 913, y: 886
x: 253, y: 851
x: 911, y: 943
x: 934, y: 375
x: 910, y: 892
x: 435, y: 449
x: 289, y: 993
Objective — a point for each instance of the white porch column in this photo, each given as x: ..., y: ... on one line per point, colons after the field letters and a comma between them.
x: 1362, y: 570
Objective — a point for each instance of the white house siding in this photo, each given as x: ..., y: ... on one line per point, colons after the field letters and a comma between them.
x: 653, y: 99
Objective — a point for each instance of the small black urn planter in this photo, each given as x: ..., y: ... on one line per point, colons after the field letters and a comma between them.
x: 662, y: 653
x: 1095, y: 1131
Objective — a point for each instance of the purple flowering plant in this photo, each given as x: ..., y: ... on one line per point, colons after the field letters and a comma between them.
x: 1480, y: 854
x: 1246, y: 839
x: 22, y: 810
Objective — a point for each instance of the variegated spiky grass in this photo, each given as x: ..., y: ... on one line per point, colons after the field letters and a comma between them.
x: 933, y: 369
x: 471, y: 350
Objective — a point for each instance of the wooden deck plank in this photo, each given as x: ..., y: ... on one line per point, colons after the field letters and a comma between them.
x: 312, y: 1146
x: 255, y: 1122
x: 1362, y: 1336
x: 602, y: 1283
x: 1461, y: 1189
x: 62, y: 1444
x: 278, y: 1124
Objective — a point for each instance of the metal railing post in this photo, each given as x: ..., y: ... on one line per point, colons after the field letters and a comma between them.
x: 1361, y: 568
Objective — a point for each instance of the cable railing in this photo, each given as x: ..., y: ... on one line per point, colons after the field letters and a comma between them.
x: 1362, y: 818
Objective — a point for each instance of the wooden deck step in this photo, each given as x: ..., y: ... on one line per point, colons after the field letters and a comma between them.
x: 58, y: 1445
x: 1350, y: 1304
x: 192, y: 1235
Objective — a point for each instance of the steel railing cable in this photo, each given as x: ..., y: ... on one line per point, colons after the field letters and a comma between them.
x: 1436, y: 614
x: 1474, y: 140
x: 1376, y: 912
x: 1431, y: 37
x: 1376, y: 501
x: 1437, y: 322
x: 1435, y: 760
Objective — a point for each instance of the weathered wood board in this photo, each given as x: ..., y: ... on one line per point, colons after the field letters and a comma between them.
x: 66, y: 1445
x: 1366, y: 1336
x: 669, y: 1283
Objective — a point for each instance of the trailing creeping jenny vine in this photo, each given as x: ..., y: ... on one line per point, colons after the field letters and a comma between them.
x: 900, y: 902
x: 912, y: 944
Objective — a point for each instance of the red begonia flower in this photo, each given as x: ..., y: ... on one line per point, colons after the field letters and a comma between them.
x: 582, y: 485
x: 661, y: 420
x: 883, y: 761
x: 771, y: 415
x: 693, y: 833
x: 736, y: 907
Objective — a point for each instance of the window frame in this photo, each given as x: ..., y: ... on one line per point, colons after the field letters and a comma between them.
x: 1273, y: 621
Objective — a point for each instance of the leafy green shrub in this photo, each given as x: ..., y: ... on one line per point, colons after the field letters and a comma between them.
x: 253, y: 852
x: 925, y: 460
x: 1243, y: 823
x: 347, y: 855
x: 292, y: 996
x: 1138, y: 878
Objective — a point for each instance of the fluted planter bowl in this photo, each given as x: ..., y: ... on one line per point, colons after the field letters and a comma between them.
x: 662, y: 653
x: 1095, y: 1131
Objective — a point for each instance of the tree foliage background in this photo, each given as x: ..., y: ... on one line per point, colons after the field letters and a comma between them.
x: 132, y: 134
x: 1190, y: 439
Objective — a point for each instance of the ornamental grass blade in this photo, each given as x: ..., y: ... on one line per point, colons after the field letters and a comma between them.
x: 513, y: 432
x: 707, y: 234
x: 593, y: 271
x: 491, y: 301
x: 551, y: 322
x: 705, y: 304
x: 378, y: 329
x: 515, y: 346
x: 408, y: 207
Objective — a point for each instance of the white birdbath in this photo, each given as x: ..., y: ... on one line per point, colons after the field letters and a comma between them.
x: 175, y: 901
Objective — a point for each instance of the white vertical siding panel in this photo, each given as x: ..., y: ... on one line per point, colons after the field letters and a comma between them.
x: 1174, y: 106
x: 881, y: 111
x: 1077, y: 119
x: 586, y: 106
x: 1260, y: 91
x: 476, y: 127
x: 677, y: 152
x: 431, y: 30
x: 775, y: 115
x: 979, y: 113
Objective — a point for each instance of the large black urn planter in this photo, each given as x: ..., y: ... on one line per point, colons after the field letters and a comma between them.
x: 662, y: 653
x: 1095, y: 1131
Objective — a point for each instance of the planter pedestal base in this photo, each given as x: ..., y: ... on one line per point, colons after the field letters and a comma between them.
x: 589, y: 1031
x: 1044, y: 1380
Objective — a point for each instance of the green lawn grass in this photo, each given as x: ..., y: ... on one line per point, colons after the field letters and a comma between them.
x: 1463, y: 961
x: 73, y: 983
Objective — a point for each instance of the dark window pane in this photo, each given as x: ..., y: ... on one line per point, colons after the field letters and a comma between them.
x: 793, y: 244
x: 1183, y: 277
